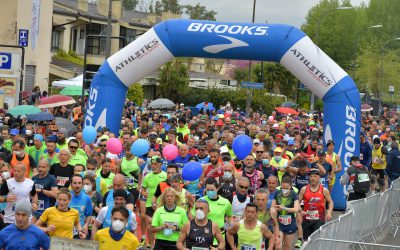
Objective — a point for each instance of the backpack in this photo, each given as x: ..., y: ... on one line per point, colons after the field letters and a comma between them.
x: 361, y: 182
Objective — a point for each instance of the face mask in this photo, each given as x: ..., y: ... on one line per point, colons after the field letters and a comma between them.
x: 200, y: 214
x: 6, y: 175
x: 117, y: 225
x: 18, y: 153
x: 28, y: 132
x: 227, y: 175
x: 211, y: 194
x: 277, y: 157
x: 248, y: 169
x: 285, y: 191
x: 87, y: 188
x: 265, y: 161
x: 90, y: 172
x: 167, y: 231
x: 122, y: 122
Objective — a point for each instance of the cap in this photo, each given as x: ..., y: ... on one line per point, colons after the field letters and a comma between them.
x: 156, y: 159
x: 153, y: 135
x: 276, y: 125
x: 321, y: 152
x: 14, y: 131
x: 279, y: 136
x: 256, y: 141
x: 63, y: 131
x: 182, y: 104
x: 38, y: 137
x: 314, y: 171
x: 377, y: 141
x: 104, y: 137
x: 51, y: 138
x: 290, y: 142
x: 23, y: 206
x: 354, y: 158
x: 120, y: 193
x: 219, y: 123
x: 278, y: 150
x: 330, y: 142
x: 224, y: 150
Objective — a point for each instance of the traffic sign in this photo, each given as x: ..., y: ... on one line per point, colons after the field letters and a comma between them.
x: 23, y: 38
x: 5, y: 60
x: 253, y: 85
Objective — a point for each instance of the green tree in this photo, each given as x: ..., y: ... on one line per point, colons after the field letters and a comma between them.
x: 129, y: 4
x: 172, y: 6
x: 174, y: 79
x: 199, y: 12
x: 151, y: 8
x: 135, y: 93
x: 158, y: 8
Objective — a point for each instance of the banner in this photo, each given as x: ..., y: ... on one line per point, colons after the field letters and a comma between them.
x: 35, y: 21
x: 8, y: 91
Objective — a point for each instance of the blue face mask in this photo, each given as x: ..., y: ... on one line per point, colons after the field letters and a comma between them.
x: 265, y: 161
x: 167, y: 231
x: 211, y: 194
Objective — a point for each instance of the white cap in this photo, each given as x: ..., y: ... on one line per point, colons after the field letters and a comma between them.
x: 276, y: 125
x: 256, y: 141
x: 223, y: 150
x: 375, y: 136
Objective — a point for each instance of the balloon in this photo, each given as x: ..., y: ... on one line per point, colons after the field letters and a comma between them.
x: 170, y: 152
x: 140, y: 147
x: 242, y: 146
x: 89, y: 134
x: 114, y: 146
x: 192, y: 171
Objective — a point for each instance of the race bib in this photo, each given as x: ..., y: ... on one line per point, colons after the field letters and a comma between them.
x: 312, y: 215
x: 200, y: 248
x: 129, y: 180
x: 62, y: 181
x: 40, y: 204
x: 13, y: 208
x: 248, y: 247
x: 322, y: 181
x: 285, y: 219
x: 361, y: 157
x: 363, y: 177
x: 236, y: 218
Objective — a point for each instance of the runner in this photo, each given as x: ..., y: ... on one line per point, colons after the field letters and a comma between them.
x: 241, y: 198
x: 62, y: 171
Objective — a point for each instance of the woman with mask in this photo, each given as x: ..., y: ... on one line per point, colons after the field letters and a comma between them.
x: 283, y: 210
x: 168, y: 220
x: 200, y: 231
x: 116, y: 236
x: 89, y: 187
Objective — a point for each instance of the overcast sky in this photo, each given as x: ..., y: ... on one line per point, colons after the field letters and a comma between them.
x: 291, y: 12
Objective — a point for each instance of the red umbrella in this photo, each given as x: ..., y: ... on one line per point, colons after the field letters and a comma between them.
x: 286, y: 110
x: 56, y: 101
x: 366, y: 107
x: 25, y: 94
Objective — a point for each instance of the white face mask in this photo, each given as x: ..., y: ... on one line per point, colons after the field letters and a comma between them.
x: 18, y: 153
x: 227, y: 175
x: 200, y: 214
x: 285, y: 191
x: 6, y: 175
x: 28, y: 132
x: 117, y: 226
x: 87, y: 188
x: 278, y: 157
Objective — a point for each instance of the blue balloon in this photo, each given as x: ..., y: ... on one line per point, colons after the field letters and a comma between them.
x: 89, y: 134
x: 242, y: 146
x: 192, y: 171
x: 140, y: 147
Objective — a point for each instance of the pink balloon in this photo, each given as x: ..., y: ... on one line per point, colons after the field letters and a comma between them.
x: 170, y: 152
x: 114, y: 146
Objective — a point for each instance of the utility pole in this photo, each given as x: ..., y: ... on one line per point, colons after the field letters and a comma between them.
x: 109, y: 29
x: 249, y: 92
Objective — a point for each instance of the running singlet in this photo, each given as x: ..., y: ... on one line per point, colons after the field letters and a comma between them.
x: 200, y: 236
x: 250, y: 239
x: 314, y: 204
x: 130, y: 169
x: 284, y: 217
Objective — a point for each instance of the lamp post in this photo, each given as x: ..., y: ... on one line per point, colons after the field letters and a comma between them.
x: 249, y: 92
x: 320, y: 18
x: 381, y: 73
x: 356, y: 43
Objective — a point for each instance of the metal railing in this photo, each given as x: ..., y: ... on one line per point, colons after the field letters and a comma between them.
x: 361, y: 224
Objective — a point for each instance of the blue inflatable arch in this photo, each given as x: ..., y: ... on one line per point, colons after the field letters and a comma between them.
x: 261, y: 42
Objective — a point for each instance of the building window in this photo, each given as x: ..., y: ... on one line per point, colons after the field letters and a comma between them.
x: 96, y: 45
x: 55, y: 40
x: 129, y: 34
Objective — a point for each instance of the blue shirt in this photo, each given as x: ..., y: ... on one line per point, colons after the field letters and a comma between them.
x: 83, y: 204
x: 32, y: 238
x: 180, y: 162
x: 365, y: 154
x: 45, y: 183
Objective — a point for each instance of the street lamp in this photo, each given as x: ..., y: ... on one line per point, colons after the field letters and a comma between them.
x: 320, y: 18
x: 356, y: 43
x: 382, y: 57
x: 249, y: 92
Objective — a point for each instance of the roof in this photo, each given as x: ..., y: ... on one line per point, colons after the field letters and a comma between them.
x: 78, y: 69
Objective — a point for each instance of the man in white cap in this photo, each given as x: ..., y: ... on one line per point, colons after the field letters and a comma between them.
x: 22, y: 235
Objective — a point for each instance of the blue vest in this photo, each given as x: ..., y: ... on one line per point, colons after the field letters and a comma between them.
x: 107, y: 219
x: 110, y: 197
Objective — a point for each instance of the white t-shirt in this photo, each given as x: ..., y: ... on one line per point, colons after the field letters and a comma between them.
x: 102, y: 215
x: 22, y: 191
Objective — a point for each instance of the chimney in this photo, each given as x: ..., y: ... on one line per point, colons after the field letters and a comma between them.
x: 117, y: 9
x: 82, y: 6
x: 102, y: 7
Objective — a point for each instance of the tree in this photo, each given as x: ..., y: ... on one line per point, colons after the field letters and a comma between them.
x: 135, y: 93
x: 129, y: 4
x: 199, y: 12
x: 151, y: 8
x: 174, y: 79
x: 172, y: 6
x: 158, y: 8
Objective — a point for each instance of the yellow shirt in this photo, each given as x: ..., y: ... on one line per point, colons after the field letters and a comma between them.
x: 63, y: 221
x: 127, y: 242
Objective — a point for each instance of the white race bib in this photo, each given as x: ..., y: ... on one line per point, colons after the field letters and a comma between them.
x: 129, y: 180
x: 312, y: 215
x: 40, y: 205
x: 363, y: 177
x: 285, y: 219
x: 248, y: 247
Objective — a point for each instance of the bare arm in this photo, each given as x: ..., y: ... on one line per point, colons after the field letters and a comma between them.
x: 321, y: 169
x: 328, y: 199
x: 218, y: 236
x: 95, y: 227
x: 182, y: 236
x: 268, y: 235
x: 230, y: 233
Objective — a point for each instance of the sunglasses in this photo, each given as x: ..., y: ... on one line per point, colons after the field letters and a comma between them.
x: 102, y: 145
x: 73, y: 147
x: 259, y: 152
x: 243, y: 187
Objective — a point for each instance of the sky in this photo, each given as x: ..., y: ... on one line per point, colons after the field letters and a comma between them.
x: 290, y: 12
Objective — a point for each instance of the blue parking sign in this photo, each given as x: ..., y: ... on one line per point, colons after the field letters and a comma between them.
x: 5, y: 60
x: 23, y: 38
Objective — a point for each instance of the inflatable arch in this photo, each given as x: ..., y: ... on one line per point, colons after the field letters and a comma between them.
x: 261, y: 42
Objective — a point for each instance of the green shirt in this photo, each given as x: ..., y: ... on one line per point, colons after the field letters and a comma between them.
x: 177, y: 218
x: 77, y: 159
x: 150, y: 182
x: 131, y: 170
x: 218, y: 210
x: 36, y: 153
x: 52, y: 160
x: 250, y: 238
x: 108, y: 180
x: 8, y: 144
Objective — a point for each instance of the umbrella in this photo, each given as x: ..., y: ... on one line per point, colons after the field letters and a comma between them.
x: 42, y: 116
x: 25, y: 94
x: 56, y: 101
x: 24, y: 110
x: 289, y: 105
x: 205, y: 105
x: 162, y: 104
x: 286, y: 110
x: 366, y: 107
x: 73, y: 91
x: 65, y: 123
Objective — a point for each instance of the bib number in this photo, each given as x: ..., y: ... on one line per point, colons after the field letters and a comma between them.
x: 363, y: 177
x: 285, y: 219
x: 40, y: 205
x: 248, y: 247
x: 200, y: 248
x: 236, y: 218
x: 129, y: 180
x: 322, y: 181
x: 61, y: 181
x: 361, y: 157
x: 312, y: 215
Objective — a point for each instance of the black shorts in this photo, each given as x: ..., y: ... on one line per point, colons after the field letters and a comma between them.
x: 165, y: 245
x: 149, y: 211
x: 380, y: 173
x: 356, y: 196
x: 310, y: 227
x: 135, y: 194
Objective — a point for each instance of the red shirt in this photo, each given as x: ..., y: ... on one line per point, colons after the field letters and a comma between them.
x: 314, y: 204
